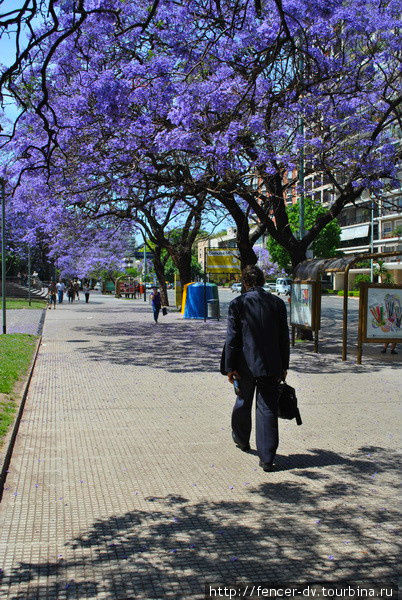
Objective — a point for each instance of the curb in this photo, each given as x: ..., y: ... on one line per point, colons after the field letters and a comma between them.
x: 11, y: 436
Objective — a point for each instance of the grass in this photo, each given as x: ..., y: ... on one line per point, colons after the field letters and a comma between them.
x: 16, y: 351
x: 8, y: 409
x: 12, y: 303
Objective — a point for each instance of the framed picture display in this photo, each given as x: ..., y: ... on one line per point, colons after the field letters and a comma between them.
x: 304, y: 303
x: 382, y: 313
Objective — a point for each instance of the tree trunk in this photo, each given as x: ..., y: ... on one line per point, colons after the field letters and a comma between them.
x: 245, y: 247
x: 182, y: 260
x: 160, y: 275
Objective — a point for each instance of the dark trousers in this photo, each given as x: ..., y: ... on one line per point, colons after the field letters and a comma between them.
x: 87, y: 297
x: 156, y: 310
x: 266, y: 422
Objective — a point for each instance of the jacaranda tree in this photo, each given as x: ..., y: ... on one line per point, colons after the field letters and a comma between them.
x: 216, y: 97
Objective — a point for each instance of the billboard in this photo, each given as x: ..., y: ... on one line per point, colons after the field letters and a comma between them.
x: 301, y: 305
x: 383, y: 313
x: 222, y: 260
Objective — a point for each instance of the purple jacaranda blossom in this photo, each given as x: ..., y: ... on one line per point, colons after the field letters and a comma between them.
x: 196, y: 103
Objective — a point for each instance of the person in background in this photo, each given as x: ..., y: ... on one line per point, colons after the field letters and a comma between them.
x: 156, y: 303
x: 393, y: 348
x: 51, y: 294
x: 86, y: 291
x: 60, y: 291
x: 70, y: 291
x: 76, y: 286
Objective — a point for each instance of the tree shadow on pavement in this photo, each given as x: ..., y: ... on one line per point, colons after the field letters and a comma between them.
x: 336, y: 528
x: 180, y: 346
x: 173, y: 346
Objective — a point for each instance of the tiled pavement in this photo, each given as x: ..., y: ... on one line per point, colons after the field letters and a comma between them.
x: 124, y: 481
x: 25, y: 320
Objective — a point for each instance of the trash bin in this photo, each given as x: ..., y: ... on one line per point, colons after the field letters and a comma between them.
x: 213, y: 309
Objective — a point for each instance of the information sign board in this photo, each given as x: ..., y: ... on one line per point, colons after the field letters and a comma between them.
x: 222, y: 260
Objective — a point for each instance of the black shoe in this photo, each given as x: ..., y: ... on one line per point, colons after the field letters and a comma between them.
x: 266, y: 466
x: 384, y: 351
x: 239, y: 444
x: 394, y: 352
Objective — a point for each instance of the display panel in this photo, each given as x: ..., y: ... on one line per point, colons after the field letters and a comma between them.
x: 383, y: 313
x: 301, y: 305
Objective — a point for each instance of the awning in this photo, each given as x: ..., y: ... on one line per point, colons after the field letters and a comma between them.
x: 357, y: 231
x: 312, y: 269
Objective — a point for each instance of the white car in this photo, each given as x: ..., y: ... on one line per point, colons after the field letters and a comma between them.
x: 269, y: 287
x: 283, y: 285
x: 236, y: 287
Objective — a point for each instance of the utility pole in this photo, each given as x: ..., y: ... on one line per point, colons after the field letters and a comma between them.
x: 145, y: 270
x: 301, y: 163
x: 372, y: 241
x: 3, y: 252
x: 29, y: 274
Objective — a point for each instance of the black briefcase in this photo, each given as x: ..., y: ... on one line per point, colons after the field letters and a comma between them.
x: 287, y: 404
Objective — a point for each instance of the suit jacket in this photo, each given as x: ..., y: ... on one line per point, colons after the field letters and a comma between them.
x: 257, y: 334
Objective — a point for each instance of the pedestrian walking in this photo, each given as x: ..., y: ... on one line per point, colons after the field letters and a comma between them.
x: 86, y: 290
x: 70, y: 291
x: 51, y: 294
x: 155, y: 298
x: 256, y: 357
x: 60, y: 291
x: 76, y: 286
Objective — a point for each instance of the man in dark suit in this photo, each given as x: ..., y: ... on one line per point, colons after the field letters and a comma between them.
x: 257, y: 356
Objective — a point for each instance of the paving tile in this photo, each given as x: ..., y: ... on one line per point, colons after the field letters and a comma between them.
x: 124, y: 482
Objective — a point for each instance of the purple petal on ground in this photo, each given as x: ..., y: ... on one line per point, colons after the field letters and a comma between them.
x: 231, y: 487
x: 233, y: 558
x: 317, y: 520
x: 331, y: 557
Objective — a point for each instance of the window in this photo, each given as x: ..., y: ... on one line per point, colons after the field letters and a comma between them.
x: 317, y: 181
x: 328, y: 197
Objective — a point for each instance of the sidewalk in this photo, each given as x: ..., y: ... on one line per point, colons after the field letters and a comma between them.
x: 124, y: 482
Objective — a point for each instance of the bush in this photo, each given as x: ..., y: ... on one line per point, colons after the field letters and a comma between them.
x: 360, y: 278
x: 353, y: 293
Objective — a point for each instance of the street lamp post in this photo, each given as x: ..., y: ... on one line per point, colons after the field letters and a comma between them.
x: 145, y: 272
x: 372, y: 241
x: 29, y: 275
x: 3, y: 252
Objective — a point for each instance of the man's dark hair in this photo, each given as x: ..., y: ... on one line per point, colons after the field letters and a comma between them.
x: 252, y: 276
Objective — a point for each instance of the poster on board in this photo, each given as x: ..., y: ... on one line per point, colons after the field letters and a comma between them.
x: 384, y: 313
x: 301, y: 305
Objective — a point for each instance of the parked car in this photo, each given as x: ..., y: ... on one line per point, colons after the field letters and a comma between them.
x: 283, y: 285
x: 236, y: 287
x: 269, y: 287
x: 98, y: 286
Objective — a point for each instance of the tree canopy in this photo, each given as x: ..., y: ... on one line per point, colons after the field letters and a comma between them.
x: 215, y: 99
